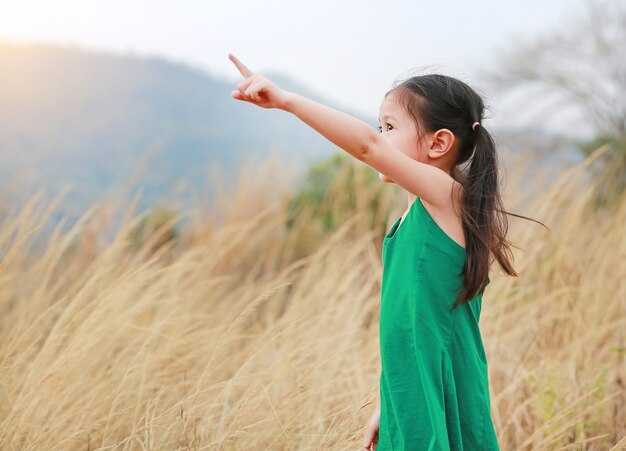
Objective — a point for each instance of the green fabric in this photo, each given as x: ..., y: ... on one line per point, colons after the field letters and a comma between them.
x: 434, y: 389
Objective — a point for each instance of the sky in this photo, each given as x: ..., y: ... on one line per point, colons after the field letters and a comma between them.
x: 348, y: 51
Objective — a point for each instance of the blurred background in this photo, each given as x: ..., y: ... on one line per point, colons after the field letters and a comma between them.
x: 160, y: 240
x: 98, y: 95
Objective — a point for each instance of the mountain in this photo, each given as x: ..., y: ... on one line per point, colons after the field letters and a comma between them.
x: 69, y: 115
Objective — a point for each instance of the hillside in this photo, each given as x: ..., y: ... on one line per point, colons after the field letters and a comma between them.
x: 68, y: 115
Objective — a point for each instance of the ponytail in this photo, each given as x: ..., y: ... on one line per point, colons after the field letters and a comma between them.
x: 484, y: 221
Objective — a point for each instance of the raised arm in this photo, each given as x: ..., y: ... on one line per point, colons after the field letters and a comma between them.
x: 364, y: 143
x: 351, y: 135
x: 347, y: 132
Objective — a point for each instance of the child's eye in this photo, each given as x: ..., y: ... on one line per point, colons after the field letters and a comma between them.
x: 380, y: 129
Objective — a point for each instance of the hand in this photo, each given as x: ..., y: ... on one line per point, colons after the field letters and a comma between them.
x: 257, y: 89
x: 371, y: 431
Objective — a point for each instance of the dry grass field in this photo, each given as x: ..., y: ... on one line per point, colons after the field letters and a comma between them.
x: 245, y: 334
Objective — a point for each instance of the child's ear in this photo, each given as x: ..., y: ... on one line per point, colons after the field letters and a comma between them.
x: 440, y: 143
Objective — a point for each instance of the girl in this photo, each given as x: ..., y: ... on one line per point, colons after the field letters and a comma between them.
x: 434, y: 392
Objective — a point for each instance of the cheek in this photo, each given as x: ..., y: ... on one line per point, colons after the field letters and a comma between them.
x: 400, y: 141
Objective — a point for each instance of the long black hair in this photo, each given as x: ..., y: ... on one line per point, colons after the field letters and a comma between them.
x: 437, y: 101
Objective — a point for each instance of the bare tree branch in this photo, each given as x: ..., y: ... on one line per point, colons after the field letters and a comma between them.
x: 584, y: 61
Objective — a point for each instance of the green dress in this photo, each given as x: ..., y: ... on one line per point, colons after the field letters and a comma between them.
x: 434, y: 389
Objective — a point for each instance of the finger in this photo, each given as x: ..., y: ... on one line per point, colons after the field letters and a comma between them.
x: 245, y: 84
x: 368, y: 440
x: 239, y: 96
x: 242, y: 67
x: 254, y: 90
x: 242, y: 86
x: 246, y: 97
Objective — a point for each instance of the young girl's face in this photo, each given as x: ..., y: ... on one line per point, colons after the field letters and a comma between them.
x: 399, y: 128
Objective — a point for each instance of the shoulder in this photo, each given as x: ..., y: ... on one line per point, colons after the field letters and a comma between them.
x: 449, y: 203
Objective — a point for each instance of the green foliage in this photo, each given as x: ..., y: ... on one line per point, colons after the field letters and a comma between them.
x: 330, y: 192
x: 334, y: 190
x: 610, y: 169
x: 155, y: 229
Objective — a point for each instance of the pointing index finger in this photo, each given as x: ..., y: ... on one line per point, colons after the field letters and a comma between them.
x: 242, y: 67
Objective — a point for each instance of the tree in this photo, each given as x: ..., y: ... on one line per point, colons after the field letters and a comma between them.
x: 334, y: 190
x: 581, y: 64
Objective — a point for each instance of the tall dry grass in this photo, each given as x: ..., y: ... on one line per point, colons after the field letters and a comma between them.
x: 229, y: 339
